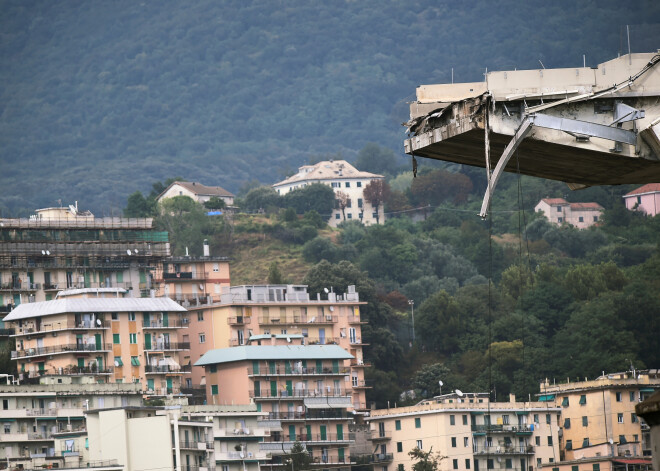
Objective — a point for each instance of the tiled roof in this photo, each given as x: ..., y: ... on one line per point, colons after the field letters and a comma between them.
x: 648, y: 188
x: 72, y: 305
x: 552, y: 201
x: 274, y: 352
x: 200, y: 189
x: 586, y: 206
x: 327, y: 170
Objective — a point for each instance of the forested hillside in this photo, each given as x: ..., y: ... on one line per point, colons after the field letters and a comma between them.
x: 100, y: 98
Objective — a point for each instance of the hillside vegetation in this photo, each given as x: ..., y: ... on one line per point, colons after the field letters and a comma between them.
x: 100, y: 98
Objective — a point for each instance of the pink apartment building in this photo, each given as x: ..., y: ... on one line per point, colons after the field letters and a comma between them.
x: 645, y: 199
x: 558, y: 211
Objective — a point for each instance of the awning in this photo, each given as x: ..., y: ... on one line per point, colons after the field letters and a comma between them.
x: 45, y: 418
x: 547, y: 397
x: 328, y: 402
x: 522, y: 412
x: 633, y: 461
x: 647, y: 390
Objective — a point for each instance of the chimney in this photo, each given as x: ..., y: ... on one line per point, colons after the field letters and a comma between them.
x: 206, y: 247
x: 512, y: 397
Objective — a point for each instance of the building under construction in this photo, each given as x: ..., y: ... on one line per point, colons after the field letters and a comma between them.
x: 62, y: 248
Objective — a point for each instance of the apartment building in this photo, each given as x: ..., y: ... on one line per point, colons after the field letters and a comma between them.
x: 603, y: 457
x: 645, y: 199
x: 306, y: 390
x: 64, y: 248
x: 474, y: 433
x: 602, y: 411
x: 97, y: 332
x: 43, y: 424
x: 197, y: 191
x: 341, y: 177
x: 558, y: 211
x: 255, y: 313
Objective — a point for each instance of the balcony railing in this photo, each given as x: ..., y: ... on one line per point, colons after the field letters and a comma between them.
x: 201, y: 444
x: 503, y: 450
x: 69, y: 371
x: 321, y: 319
x: 69, y: 348
x: 502, y: 428
x: 29, y: 329
x: 381, y: 435
x: 321, y: 341
x: 84, y: 465
x: 236, y: 456
x: 168, y: 324
x: 357, y: 341
x: 381, y: 458
x: 317, y: 437
x: 161, y: 346
x: 280, y: 370
x: 185, y: 275
x: 360, y: 364
x: 316, y: 414
x: 166, y: 369
x: 239, y: 320
x: 23, y: 286
x: 356, y: 320
x: 268, y: 394
x: 360, y: 385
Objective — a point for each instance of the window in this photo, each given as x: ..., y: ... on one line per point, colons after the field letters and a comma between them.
x: 595, y: 218
x: 583, y: 400
x: 569, y: 444
x: 585, y: 442
x: 397, y: 424
x: 581, y: 219
x: 374, y: 215
x: 467, y: 463
x: 7, y: 428
x: 618, y: 397
x: 465, y: 419
x: 489, y: 464
x: 200, y: 315
x: 359, y: 184
x: 559, y: 209
x: 547, y: 418
x: 399, y: 447
x: 118, y: 361
x: 560, y: 220
x: 418, y: 424
x: 585, y: 421
x: 349, y: 216
x: 213, y: 368
x: 505, y: 420
x: 633, y: 418
x: 453, y: 442
x: 564, y: 402
x: 5, y: 404
x: 455, y: 464
x: 639, y: 200
x: 508, y: 464
x: 538, y: 440
x: 635, y: 438
x: 567, y: 423
x: 115, y: 339
x: 549, y: 440
x: 202, y: 338
x: 400, y: 467
x: 131, y: 316
x: 619, y: 418
x: 596, y: 467
x: 632, y: 396
x: 574, y: 467
x: 132, y: 338
x: 337, y: 216
x: 135, y: 361
x: 360, y: 202
x: 347, y: 184
x: 214, y: 389
x: 114, y: 316
x: 419, y: 445
x: 349, y: 203
x: 622, y: 439
x: 466, y: 441
x: 536, y: 418
x: 336, y: 185
x: 452, y: 420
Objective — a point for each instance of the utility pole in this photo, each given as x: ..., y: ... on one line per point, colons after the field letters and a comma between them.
x: 412, y: 313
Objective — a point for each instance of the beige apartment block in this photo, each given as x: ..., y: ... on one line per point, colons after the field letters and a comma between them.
x: 43, y: 424
x: 558, y: 211
x: 604, y: 457
x: 97, y: 332
x: 341, y: 177
x: 254, y: 314
x: 602, y: 410
x: 472, y: 432
x: 305, y: 389
x: 197, y: 191
x: 64, y: 248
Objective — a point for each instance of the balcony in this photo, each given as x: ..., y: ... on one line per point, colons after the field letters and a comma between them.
x: 381, y: 458
x: 242, y: 433
x: 239, y: 320
x: 60, y: 349
x: 325, y: 460
x: 503, y: 450
x: 166, y: 346
x: 236, y: 456
x: 90, y: 465
x: 321, y: 341
x: 325, y: 319
x: 200, y: 445
x: 360, y: 385
x: 312, y: 438
x: 13, y: 437
x: 299, y: 393
x: 167, y: 324
x: 360, y: 364
x: 166, y: 369
x: 381, y: 435
x: 39, y: 436
x: 298, y: 371
x: 23, y: 286
x: 357, y: 341
x: 361, y: 406
x: 31, y: 329
x: 190, y: 300
x: 517, y: 429
x: 185, y: 276
x: 356, y: 320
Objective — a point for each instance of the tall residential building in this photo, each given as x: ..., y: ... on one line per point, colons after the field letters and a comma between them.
x: 602, y: 410
x: 255, y: 313
x: 98, y: 332
x: 305, y: 389
x: 341, y: 177
x: 64, y: 248
x: 43, y: 425
x: 558, y: 211
x: 472, y: 432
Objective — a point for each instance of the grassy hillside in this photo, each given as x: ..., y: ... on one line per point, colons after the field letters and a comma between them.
x: 100, y: 98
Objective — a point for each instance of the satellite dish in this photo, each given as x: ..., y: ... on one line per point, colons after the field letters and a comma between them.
x: 326, y: 290
x: 242, y: 455
x: 441, y: 383
x: 288, y: 339
x: 459, y: 392
x: 47, y: 252
x: 201, y: 286
x: 611, y: 442
x: 128, y: 252
x: 116, y: 363
x: 43, y: 252
x: 98, y: 322
x: 136, y: 250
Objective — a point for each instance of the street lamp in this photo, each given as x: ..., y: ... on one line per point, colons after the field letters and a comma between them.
x: 412, y: 313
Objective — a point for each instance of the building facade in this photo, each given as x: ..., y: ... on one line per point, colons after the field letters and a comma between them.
x: 343, y: 178
x: 558, y: 211
x: 602, y: 411
x: 305, y: 389
x: 43, y: 425
x: 472, y: 432
x: 257, y: 314
x: 645, y: 199
x: 197, y: 191
x: 62, y: 248
x: 96, y: 332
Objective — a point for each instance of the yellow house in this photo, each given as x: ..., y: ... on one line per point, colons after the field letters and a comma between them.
x: 472, y: 432
x: 602, y: 410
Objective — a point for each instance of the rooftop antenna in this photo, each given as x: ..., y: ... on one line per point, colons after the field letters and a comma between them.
x: 452, y: 75
x: 628, y: 33
x: 541, y: 63
x: 440, y: 383
x: 584, y: 60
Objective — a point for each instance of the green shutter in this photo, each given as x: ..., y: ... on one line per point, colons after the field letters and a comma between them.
x: 120, y: 277
x: 289, y: 388
x: 271, y: 367
x: 309, y: 432
x: 273, y: 389
x: 292, y: 433
x: 115, y: 339
x: 397, y: 424
x: 340, y: 454
x: 583, y: 399
x: 150, y: 384
x: 340, y: 432
x: 564, y: 402
x: 257, y: 389
x: 255, y: 367
x: 418, y: 422
x: 214, y: 389
x: 324, y: 434
x: 287, y: 367
x: 335, y: 366
x: 319, y: 366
